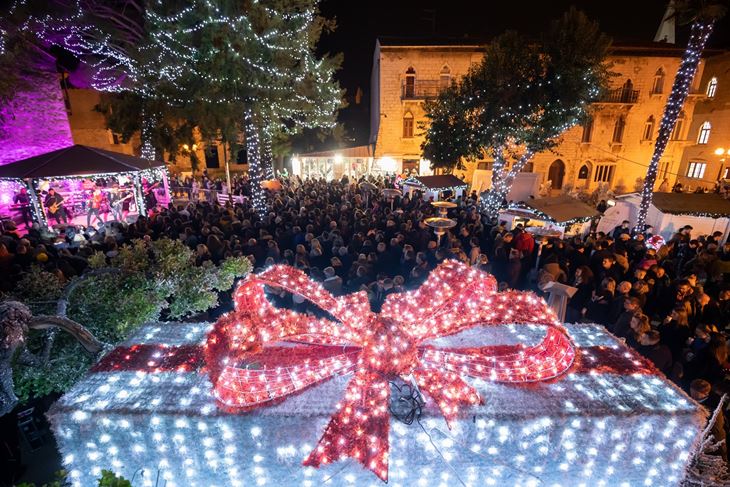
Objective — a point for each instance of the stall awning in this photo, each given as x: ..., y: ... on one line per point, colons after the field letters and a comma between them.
x: 440, y: 183
x: 695, y: 204
x: 76, y: 160
x: 562, y: 208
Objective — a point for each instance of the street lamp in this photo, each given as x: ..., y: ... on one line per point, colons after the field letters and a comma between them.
x: 722, y: 153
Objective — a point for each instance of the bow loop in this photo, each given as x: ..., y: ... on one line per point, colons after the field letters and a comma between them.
x: 250, y: 367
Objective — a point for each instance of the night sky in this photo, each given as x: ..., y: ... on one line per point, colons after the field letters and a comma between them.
x: 359, y: 23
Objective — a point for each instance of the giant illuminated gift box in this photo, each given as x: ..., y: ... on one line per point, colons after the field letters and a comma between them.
x: 148, y: 412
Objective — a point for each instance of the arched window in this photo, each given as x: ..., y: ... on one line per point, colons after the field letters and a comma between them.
x: 679, y: 126
x: 712, y: 87
x: 628, y: 94
x: 704, y: 136
x: 618, y: 130
x: 587, y: 131
x: 649, y: 128
x: 408, y: 125
x: 409, y: 89
x: 658, y: 85
x: 445, y: 77
x: 584, y: 172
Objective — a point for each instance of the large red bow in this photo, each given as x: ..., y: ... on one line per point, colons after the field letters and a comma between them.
x: 377, y: 348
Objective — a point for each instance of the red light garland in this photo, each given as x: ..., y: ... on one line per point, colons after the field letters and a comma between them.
x: 378, y: 348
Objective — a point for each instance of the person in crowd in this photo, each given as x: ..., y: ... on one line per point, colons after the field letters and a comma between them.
x: 650, y: 347
x: 701, y: 391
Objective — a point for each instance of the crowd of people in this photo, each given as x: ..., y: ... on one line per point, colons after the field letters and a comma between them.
x: 671, y: 304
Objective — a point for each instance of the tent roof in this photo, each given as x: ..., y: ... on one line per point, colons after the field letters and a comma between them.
x: 562, y: 208
x: 76, y: 160
x: 689, y: 203
x: 437, y: 182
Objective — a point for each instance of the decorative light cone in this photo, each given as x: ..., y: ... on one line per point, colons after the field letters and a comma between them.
x: 440, y: 225
x: 443, y: 207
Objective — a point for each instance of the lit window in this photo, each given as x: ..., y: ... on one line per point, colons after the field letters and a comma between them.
x: 677, y: 131
x: 649, y: 128
x: 712, y: 87
x: 696, y: 170
x: 658, y: 86
x: 604, y: 173
x: 587, y: 131
x: 618, y: 130
x: 408, y: 125
x: 704, y: 136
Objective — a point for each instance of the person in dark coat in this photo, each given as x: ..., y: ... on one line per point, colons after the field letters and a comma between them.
x: 622, y: 327
x: 581, y: 298
x: 659, y: 354
x: 675, y: 331
x: 701, y: 391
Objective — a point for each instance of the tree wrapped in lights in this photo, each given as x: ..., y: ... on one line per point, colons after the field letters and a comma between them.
x: 519, y: 100
x: 224, y: 68
x: 702, y: 14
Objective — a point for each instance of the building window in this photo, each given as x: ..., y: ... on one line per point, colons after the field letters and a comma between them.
x: 696, y: 170
x: 704, y: 136
x: 484, y: 165
x: 618, y: 130
x: 408, y: 125
x: 649, y: 128
x: 114, y: 138
x: 445, y: 78
x: 410, y: 87
x: 604, y: 173
x: 677, y: 131
x: 584, y: 172
x: 587, y: 131
x: 529, y: 167
x: 712, y: 87
x: 658, y: 85
x: 664, y: 170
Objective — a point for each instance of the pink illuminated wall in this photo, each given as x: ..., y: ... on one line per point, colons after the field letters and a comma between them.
x: 35, y: 121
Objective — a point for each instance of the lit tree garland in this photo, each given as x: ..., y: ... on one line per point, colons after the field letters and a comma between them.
x: 206, y: 64
x: 705, y: 16
x: 518, y: 101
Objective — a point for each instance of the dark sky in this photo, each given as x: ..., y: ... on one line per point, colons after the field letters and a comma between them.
x: 360, y: 22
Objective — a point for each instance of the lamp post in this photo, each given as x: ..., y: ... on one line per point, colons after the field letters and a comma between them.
x: 722, y: 153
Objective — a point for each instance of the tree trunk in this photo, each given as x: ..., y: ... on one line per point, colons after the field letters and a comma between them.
x: 680, y: 89
x: 253, y: 154
x: 148, y: 123
x: 502, y: 180
x: 267, y: 156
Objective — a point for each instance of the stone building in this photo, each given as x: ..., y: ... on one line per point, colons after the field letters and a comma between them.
x: 614, y: 148
x: 707, y: 157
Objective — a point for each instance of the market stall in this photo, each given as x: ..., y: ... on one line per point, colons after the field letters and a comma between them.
x: 436, y: 187
x: 80, y: 185
x: 706, y: 213
x: 563, y: 214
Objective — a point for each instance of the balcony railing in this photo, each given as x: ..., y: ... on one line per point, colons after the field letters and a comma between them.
x: 420, y: 89
x: 620, y: 95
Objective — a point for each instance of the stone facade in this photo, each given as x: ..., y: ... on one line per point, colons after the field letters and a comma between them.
x: 34, y: 121
x: 88, y: 125
x: 405, y: 75
x: 701, y: 165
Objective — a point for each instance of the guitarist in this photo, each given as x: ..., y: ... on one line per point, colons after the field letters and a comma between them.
x: 119, y: 205
x: 54, y: 205
x: 95, y: 208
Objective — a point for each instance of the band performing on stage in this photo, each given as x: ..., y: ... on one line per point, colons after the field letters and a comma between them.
x: 69, y: 201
